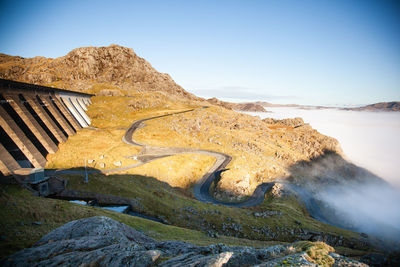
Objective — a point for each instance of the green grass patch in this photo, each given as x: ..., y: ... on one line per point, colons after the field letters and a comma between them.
x: 20, y: 210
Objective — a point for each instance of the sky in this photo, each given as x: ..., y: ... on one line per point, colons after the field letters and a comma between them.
x: 342, y: 52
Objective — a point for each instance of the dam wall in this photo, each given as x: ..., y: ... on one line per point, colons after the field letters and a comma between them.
x: 34, y: 120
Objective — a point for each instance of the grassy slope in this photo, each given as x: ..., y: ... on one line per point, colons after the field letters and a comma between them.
x: 157, y: 196
x: 260, y: 153
x: 20, y: 210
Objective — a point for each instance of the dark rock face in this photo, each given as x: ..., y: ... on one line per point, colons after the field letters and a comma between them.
x: 101, y: 241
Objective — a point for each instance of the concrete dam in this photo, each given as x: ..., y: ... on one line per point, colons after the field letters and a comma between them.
x: 33, y: 121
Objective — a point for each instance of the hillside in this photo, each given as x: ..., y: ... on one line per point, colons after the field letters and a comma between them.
x: 127, y: 89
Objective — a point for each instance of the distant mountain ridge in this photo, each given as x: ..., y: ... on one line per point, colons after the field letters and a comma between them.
x: 381, y: 106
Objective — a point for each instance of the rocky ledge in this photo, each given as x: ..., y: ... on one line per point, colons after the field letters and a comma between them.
x: 295, y: 122
x: 252, y: 107
x: 101, y: 241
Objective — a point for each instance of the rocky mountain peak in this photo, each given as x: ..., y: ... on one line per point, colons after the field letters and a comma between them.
x: 84, y: 67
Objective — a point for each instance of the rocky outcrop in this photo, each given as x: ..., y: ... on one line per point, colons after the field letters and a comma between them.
x: 82, y: 68
x: 101, y: 241
x: 253, y: 107
x: 96, y: 240
x: 302, y: 137
x: 217, y: 102
x: 295, y: 122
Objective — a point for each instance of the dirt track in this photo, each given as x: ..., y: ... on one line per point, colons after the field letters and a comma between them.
x: 202, y: 187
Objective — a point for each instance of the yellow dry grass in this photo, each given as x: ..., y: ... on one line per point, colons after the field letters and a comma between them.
x: 318, y: 252
x: 260, y: 152
x: 112, y: 116
x: 112, y: 111
x: 253, y: 155
x: 92, y: 144
x: 179, y: 170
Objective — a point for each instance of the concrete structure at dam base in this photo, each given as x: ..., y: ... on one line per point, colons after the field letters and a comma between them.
x: 34, y: 120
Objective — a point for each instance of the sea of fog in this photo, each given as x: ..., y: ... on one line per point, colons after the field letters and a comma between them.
x: 370, y: 140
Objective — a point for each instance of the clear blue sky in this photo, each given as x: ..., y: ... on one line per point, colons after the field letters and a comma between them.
x: 309, y: 52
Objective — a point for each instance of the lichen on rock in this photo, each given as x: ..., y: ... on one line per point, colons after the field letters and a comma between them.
x: 101, y: 241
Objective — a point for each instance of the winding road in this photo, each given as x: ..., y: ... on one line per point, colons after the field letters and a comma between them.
x: 202, y: 187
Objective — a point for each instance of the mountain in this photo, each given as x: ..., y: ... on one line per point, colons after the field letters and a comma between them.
x: 381, y: 106
x: 89, y: 68
x: 111, y: 71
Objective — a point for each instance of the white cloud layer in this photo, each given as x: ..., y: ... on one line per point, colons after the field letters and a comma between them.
x: 369, y: 139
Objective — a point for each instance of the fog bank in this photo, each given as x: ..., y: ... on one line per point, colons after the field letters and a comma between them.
x: 336, y: 190
x: 369, y: 139
x: 369, y: 208
x: 340, y: 193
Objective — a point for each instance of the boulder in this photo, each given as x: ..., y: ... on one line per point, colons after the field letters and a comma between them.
x: 117, y: 163
x: 95, y: 240
x: 101, y: 241
x: 199, y: 260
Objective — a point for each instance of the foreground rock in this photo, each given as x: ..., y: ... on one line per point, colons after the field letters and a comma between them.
x: 101, y: 241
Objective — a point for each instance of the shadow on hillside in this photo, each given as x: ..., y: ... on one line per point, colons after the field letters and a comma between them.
x: 334, y: 191
x: 218, y: 176
x: 145, y: 195
x: 338, y: 192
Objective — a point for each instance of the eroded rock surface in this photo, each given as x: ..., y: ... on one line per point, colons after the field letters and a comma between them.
x: 101, y: 241
x: 112, y: 67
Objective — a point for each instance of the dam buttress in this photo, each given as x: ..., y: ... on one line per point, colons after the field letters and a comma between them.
x: 33, y: 121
